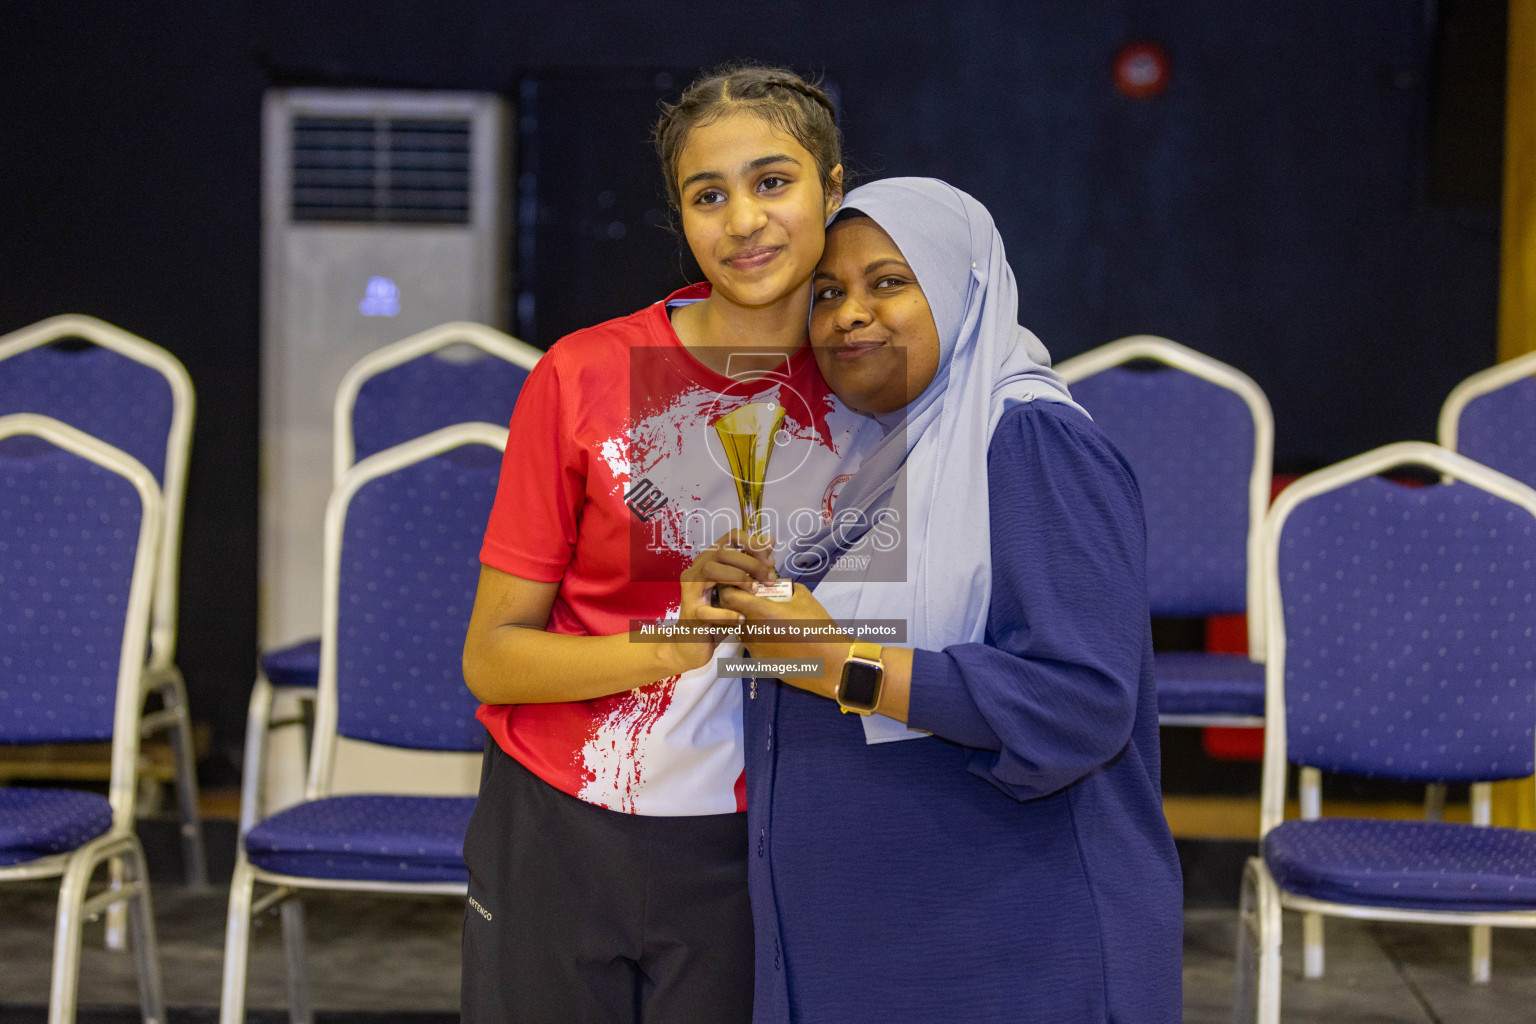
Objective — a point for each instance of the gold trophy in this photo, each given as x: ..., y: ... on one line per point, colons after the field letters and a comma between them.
x: 747, y: 434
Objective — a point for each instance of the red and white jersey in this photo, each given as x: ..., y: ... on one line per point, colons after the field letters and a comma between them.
x: 613, y: 480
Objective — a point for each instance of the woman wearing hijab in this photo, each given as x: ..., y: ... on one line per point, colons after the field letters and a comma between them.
x: 983, y: 839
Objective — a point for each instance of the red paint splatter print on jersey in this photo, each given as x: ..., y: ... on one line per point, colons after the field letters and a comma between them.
x: 613, y: 480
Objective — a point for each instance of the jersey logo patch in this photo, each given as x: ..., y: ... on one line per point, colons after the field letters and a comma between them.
x: 645, y: 500
x: 829, y: 497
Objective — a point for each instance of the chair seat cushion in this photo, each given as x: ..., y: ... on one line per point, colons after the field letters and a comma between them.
x: 1195, y: 683
x: 375, y: 838
x: 38, y: 822
x: 1411, y: 865
x: 298, y: 665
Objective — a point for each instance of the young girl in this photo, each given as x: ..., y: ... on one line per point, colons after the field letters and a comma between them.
x: 608, y: 850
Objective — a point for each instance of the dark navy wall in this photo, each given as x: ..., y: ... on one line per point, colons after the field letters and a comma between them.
x: 1271, y: 208
x: 1268, y: 209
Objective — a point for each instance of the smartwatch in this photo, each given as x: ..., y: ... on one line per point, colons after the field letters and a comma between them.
x: 858, y: 691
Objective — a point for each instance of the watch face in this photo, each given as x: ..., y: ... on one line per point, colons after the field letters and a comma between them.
x: 861, y: 686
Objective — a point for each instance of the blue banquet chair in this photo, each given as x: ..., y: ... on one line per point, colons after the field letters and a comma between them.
x: 80, y: 528
x: 1491, y: 417
x: 1200, y: 436
x: 1401, y: 644
x: 456, y: 372
x: 402, y: 540
x: 136, y: 396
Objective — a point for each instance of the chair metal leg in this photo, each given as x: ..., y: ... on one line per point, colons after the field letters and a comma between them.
x: 1434, y: 801
x: 1269, y: 963
x: 141, y: 922
x: 117, y: 913
x: 1482, y: 953
x: 174, y: 717
x: 299, y: 1009
x: 1245, y: 999
x: 173, y: 694
x: 1310, y: 786
x: 64, y: 986
x: 1481, y: 797
x: 76, y: 907
x: 1258, y: 988
x: 237, y: 943
x: 1312, y: 945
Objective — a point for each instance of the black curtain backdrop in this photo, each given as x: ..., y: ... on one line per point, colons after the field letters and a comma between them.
x: 1273, y: 208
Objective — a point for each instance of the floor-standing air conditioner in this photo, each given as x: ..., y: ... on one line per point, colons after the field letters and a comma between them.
x: 384, y: 213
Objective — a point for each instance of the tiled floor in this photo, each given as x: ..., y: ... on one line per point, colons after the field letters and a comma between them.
x: 1375, y: 973
x: 401, y: 954
x: 379, y: 953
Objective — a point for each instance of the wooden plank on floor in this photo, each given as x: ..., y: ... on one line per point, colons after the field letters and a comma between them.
x: 1237, y: 817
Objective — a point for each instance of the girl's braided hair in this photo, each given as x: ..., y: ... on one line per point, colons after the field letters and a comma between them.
x: 786, y: 101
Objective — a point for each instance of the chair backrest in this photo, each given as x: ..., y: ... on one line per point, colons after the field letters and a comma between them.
x: 1491, y: 417
x: 80, y: 522
x: 402, y: 561
x: 1402, y: 623
x: 129, y: 392
x: 455, y: 373
x: 1200, y: 436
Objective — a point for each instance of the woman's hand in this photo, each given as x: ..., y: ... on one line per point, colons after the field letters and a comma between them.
x: 826, y: 641
x: 736, y: 561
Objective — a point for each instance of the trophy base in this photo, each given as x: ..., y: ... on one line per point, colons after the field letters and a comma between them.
x: 778, y: 590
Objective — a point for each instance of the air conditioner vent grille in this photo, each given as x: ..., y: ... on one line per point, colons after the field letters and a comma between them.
x: 383, y: 170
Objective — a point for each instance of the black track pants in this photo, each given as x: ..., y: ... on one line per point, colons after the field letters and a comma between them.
x: 582, y: 915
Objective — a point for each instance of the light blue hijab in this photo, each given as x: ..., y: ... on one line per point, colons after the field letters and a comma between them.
x: 932, y: 456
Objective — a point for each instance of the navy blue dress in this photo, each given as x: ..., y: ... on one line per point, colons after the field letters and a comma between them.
x: 1016, y: 866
